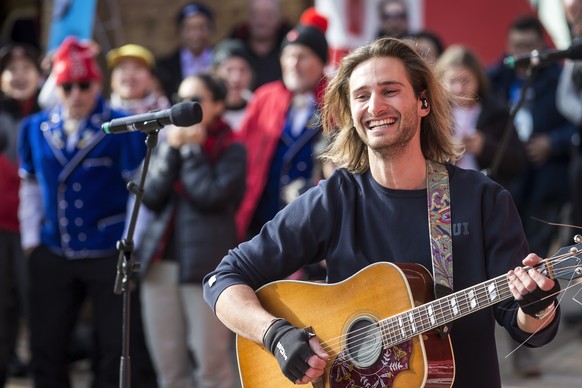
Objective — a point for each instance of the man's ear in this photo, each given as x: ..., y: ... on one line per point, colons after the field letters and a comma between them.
x: 424, y: 104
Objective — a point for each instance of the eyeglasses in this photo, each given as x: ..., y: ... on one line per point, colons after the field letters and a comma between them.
x: 83, y: 86
x: 198, y: 99
x: 393, y: 16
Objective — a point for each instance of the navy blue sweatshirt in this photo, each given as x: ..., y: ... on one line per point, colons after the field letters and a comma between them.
x: 351, y: 221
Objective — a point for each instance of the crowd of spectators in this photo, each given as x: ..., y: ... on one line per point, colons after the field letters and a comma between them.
x: 215, y: 184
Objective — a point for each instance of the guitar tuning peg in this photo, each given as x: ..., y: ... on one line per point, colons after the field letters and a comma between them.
x: 578, y: 239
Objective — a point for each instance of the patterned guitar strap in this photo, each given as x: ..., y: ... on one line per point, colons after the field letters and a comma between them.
x: 439, y: 220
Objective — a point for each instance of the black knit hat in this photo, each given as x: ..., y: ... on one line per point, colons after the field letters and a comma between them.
x: 229, y: 48
x: 310, y: 32
x: 19, y: 49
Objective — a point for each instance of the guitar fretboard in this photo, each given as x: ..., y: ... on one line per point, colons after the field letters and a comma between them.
x: 426, y: 317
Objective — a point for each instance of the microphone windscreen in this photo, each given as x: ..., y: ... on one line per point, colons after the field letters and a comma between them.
x: 186, y: 114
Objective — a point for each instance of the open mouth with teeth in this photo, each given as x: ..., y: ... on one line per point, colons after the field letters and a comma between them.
x: 378, y: 124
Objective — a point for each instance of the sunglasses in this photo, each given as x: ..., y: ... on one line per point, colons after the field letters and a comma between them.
x: 197, y: 99
x: 83, y: 86
x: 393, y: 16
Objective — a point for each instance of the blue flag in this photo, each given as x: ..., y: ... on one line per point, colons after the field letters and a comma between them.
x: 71, y: 17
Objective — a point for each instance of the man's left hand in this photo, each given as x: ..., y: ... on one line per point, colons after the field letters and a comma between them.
x: 532, y: 290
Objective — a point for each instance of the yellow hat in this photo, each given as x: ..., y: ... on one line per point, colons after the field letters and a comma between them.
x: 133, y: 51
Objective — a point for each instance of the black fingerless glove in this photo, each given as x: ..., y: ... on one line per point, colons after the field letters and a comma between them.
x: 538, y: 300
x: 290, y: 346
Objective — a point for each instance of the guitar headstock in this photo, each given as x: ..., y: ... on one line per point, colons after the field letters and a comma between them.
x: 566, y: 264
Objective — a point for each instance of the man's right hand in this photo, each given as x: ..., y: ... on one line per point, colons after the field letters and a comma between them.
x: 299, y: 354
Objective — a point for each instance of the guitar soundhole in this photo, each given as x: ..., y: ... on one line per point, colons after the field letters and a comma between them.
x: 364, y: 342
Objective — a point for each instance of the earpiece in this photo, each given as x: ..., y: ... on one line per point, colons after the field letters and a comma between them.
x: 424, y: 103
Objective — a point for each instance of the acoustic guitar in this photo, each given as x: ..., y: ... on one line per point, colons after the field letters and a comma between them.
x: 376, y: 341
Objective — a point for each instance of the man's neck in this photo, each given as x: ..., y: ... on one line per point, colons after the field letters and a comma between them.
x: 406, y: 171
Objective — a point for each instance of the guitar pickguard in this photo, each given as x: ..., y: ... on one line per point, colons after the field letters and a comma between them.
x: 392, y: 361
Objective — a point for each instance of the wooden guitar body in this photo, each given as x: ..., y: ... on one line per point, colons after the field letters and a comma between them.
x: 379, y: 325
x: 344, y: 317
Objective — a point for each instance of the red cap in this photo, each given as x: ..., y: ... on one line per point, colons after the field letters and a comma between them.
x: 310, y: 32
x: 310, y: 17
x: 75, y: 62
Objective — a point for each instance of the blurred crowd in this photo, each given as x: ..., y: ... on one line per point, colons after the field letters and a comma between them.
x: 65, y: 204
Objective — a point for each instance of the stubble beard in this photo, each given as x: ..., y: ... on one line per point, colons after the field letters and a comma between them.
x: 395, y: 147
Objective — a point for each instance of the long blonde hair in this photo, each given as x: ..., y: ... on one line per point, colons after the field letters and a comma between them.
x: 460, y: 55
x: 436, y: 131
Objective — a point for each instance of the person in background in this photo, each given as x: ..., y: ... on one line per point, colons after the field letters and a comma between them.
x: 428, y: 44
x: 393, y: 127
x: 195, y: 184
x: 134, y: 90
x: 262, y: 35
x: 20, y: 81
x: 393, y: 19
x: 280, y: 128
x: 569, y: 103
x: 480, y: 118
x: 232, y: 63
x: 195, y: 23
x: 133, y: 82
x: 541, y: 190
x: 47, y: 98
x: 69, y: 228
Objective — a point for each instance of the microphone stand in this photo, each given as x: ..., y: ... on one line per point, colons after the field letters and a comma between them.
x: 509, y: 126
x: 125, y: 264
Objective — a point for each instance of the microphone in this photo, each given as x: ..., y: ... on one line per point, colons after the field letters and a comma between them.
x: 537, y: 57
x: 183, y: 114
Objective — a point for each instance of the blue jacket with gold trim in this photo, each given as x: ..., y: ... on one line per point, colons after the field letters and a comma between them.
x: 81, y: 178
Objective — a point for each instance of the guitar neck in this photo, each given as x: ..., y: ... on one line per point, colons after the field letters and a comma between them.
x: 426, y: 317
x: 566, y: 264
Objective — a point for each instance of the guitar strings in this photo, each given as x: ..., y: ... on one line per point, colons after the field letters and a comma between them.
x: 329, y: 346
x: 441, y: 307
x: 570, y: 284
x: 347, y: 361
x: 440, y: 311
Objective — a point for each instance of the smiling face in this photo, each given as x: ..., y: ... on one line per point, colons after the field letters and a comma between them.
x: 131, y: 79
x: 385, y: 110
x: 302, y: 68
x: 20, y: 79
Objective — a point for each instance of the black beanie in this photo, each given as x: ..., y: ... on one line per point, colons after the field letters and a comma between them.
x: 309, y: 36
x: 229, y: 48
x: 310, y: 32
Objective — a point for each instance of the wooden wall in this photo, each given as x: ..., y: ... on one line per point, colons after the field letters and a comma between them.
x: 151, y: 23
